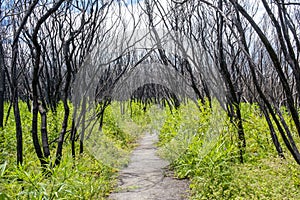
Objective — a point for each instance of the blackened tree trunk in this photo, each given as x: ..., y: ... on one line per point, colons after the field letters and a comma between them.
x: 34, y: 85
x: 45, y: 141
x: 15, y: 103
x: 288, y: 139
x: 273, y: 133
x: 34, y: 127
x: 72, y: 137
x: 65, y: 102
x: 83, y: 111
x: 14, y: 82
x: 258, y: 88
x: 276, y: 64
x: 233, y: 99
x: 19, y: 135
x: 68, y: 54
x: 284, y: 40
x: 2, y: 84
x: 14, y: 79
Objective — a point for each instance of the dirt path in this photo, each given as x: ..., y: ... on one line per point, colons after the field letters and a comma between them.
x: 146, y: 176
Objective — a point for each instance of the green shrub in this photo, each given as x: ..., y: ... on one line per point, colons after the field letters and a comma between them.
x: 201, y: 144
x: 89, y: 176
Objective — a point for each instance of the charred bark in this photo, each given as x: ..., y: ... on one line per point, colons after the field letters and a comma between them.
x: 233, y: 99
x: 2, y: 83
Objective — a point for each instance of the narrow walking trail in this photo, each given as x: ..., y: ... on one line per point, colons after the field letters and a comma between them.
x: 146, y: 176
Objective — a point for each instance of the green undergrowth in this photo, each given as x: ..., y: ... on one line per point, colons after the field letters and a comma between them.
x: 202, y: 145
x: 199, y: 142
x: 92, y: 175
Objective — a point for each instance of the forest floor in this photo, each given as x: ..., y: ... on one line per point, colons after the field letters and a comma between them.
x: 147, y: 176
